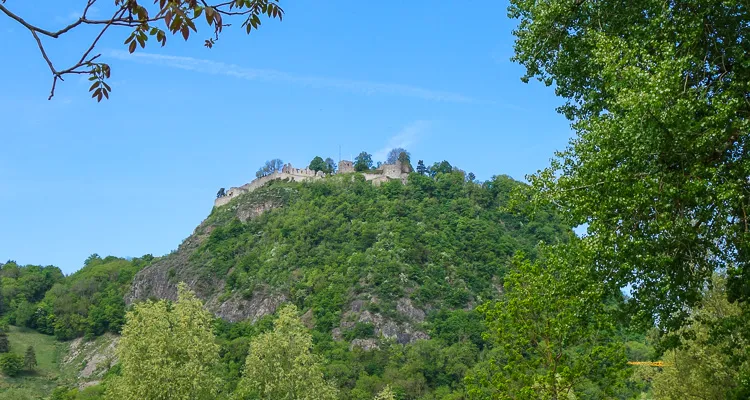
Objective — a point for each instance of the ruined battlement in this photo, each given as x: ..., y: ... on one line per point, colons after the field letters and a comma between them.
x: 384, y: 173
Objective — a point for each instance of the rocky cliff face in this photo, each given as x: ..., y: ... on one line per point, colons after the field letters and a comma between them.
x: 160, y: 280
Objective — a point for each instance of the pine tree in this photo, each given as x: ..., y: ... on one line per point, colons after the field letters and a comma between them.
x: 4, y: 345
x: 421, y: 169
x: 29, y: 359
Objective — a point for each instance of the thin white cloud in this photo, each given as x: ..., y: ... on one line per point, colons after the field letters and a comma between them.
x: 72, y: 16
x: 269, y: 75
x: 404, y: 138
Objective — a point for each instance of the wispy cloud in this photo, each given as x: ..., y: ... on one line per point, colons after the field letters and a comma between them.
x: 404, y: 138
x: 270, y: 75
x: 68, y: 18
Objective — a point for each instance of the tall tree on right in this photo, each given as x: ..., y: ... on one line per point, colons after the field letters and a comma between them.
x: 659, y: 97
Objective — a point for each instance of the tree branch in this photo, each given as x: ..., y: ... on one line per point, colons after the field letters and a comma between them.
x: 176, y: 15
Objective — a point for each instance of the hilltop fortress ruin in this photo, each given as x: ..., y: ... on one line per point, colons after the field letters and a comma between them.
x: 382, y: 174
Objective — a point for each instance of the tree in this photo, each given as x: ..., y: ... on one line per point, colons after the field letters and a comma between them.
x: 146, y: 19
x: 331, y: 165
x: 363, y: 162
x: 167, y: 351
x: 29, y: 359
x: 280, y: 364
x: 11, y: 364
x: 386, y: 394
x: 701, y: 367
x: 317, y: 164
x: 395, y: 155
x: 4, y: 344
x: 443, y: 167
x: 270, y: 167
x: 551, y: 332
x: 421, y: 169
x: 470, y: 177
x: 658, y: 96
x: 94, y: 258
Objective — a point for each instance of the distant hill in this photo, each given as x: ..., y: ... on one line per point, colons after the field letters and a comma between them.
x: 363, y: 262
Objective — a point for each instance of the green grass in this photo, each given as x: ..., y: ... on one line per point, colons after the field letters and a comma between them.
x: 39, y: 383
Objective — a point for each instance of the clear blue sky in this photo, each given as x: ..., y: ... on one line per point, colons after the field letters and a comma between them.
x: 137, y: 174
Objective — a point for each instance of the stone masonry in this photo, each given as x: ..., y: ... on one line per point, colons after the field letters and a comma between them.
x: 384, y: 173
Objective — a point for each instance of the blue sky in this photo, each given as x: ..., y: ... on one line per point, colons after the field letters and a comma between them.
x: 137, y: 174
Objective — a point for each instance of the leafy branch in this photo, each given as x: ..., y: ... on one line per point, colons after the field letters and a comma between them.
x: 177, y: 16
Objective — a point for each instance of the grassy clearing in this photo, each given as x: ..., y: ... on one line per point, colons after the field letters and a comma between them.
x: 39, y: 383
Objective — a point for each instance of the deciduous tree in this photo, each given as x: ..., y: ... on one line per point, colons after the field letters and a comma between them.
x: 144, y: 20
x: 331, y: 165
x: 658, y: 96
x: 363, y: 161
x: 551, y: 332
x: 318, y: 164
x: 395, y: 155
x: 167, y: 351
x: 280, y: 364
x: 11, y: 364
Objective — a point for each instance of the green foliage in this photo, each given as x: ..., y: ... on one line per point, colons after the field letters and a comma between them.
x: 361, y: 330
x: 90, y: 301
x: 711, y: 345
x: 11, y: 364
x: 22, y: 287
x: 658, y: 96
x: 442, y: 241
x: 552, y: 334
x: 386, y: 394
x: 280, y: 364
x: 4, y: 343
x: 443, y: 167
x: 325, y: 166
x: 363, y: 162
x: 398, y: 154
x: 421, y: 169
x: 270, y: 167
x: 29, y: 359
x: 167, y: 349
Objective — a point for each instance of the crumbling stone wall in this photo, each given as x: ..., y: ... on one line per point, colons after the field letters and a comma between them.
x: 384, y: 173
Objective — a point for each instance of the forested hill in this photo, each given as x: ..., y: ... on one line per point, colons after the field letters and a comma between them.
x: 361, y: 261
x: 371, y: 269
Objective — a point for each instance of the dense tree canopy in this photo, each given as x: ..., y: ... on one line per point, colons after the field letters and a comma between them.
x: 89, y: 301
x: 658, y: 95
x: 554, y: 336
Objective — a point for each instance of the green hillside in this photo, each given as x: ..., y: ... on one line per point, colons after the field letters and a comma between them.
x: 440, y: 243
x: 370, y: 268
x: 387, y: 277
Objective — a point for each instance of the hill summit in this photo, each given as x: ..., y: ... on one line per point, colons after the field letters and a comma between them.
x: 364, y: 259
